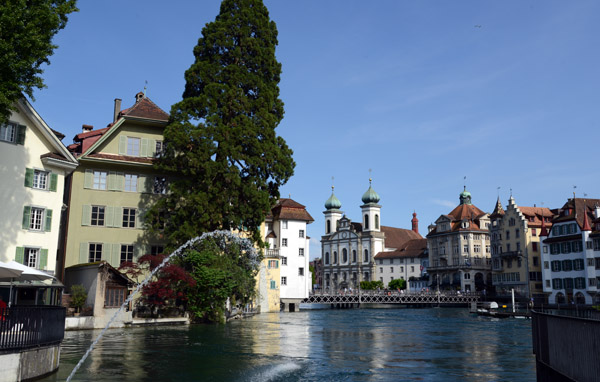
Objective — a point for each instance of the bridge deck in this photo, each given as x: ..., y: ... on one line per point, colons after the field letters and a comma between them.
x: 392, y: 298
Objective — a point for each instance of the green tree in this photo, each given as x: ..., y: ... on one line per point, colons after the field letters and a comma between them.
x: 226, y: 160
x: 78, y: 296
x: 397, y: 284
x: 26, y: 31
x: 370, y: 285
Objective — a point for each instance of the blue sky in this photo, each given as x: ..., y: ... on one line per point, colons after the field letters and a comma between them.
x: 423, y: 93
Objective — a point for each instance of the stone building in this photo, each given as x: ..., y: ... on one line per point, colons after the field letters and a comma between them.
x: 348, y: 248
x: 459, y: 248
x: 409, y: 262
x: 516, y: 250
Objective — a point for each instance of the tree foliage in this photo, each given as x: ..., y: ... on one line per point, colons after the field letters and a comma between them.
x: 78, y: 296
x: 370, y: 285
x: 221, y: 146
x: 26, y: 31
x: 221, y: 270
x: 397, y: 284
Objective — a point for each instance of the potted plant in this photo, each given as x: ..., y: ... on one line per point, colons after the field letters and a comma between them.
x: 78, y: 297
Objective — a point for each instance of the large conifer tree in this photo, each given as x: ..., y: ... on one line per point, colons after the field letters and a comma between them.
x: 221, y: 147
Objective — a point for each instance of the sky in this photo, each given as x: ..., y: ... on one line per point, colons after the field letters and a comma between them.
x: 422, y: 93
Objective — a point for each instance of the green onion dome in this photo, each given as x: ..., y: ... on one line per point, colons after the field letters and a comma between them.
x: 370, y: 196
x: 333, y: 203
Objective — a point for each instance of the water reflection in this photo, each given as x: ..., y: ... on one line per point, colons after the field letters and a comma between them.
x: 332, y: 345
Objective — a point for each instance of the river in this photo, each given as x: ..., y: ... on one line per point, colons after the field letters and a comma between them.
x: 436, y: 344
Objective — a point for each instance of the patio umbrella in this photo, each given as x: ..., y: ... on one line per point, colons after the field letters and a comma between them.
x: 8, y: 272
x: 27, y: 274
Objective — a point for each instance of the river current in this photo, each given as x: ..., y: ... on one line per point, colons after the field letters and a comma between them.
x: 435, y: 344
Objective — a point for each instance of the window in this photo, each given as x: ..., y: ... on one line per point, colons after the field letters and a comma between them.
x: 590, y: 262
x: 578, y: 265
x: 99, y: 182
x: 126, y: 253
x: 366, y: 277
x: 160, y: 185
x: 301, y: 233
x: 114, y: 297
x: 35, y: 219
x: 300, y: 251
x: 328, y: 226
x: 592, y: 282
x: 97, y: 215
x: 32, y: 256
x: 131, y: 181
x: 588, y: 245
x: 466, y: 248
x: 366, y: 221
x: 354, y: 255
x: 366, y: 257
x: 556, y: 266
x: 596, y: 244
x: 376, y: 221
x: 467, y: 276
x: 300, y: 271
x: 273, y: 284
x: 536, y: 261
x: 284, y: 224
x: 159, y: 148
x: 273, y: 264
x: 133, y: 146
x: 8, y: 132
x: 284, y: 260
x: 157, y: 250
x: 533, y: 232
x: 547, y: 283
x: 534, y: 247
x: 568, y: 283
x: 40, y: 179
x: 579, y: 282
x: 380, y: 269
x: 412, y: 268
x: 477, y: 248
x: 391, y: 269
x: 518, y: 246
x: 284, y: 242
x: 129, y: 217
x: 283, y: 280
x: 507, y: 235
x: 517, y: 233
x: 567, y: 265
x: 511, y: 222
x: 95, y: 252
x: 326, y: 257
x: 507, y: 247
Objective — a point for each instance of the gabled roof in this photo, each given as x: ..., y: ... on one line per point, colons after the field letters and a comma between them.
x: 466, y: 211
x: 58, y: 147
x: 288, y: 209
x: 578, y: 207
x: 398, y: 237
x: 412, y: 248
x: 498, y: 210
x: 145, y: 109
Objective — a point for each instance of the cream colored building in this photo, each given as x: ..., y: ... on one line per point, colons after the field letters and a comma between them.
x: 34, y: 165
x: 114, y: 185
x: 516, y: 249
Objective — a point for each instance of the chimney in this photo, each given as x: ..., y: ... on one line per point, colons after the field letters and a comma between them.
x: 117, y: 109
x: 415, y: 223
x: 140, y: 96
x: 86, y: 128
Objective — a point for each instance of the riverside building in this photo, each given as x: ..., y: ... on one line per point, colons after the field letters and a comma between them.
x: 516, y: 249
x: 348, y: 248
x: 571, y: 253
x: 459, y: 248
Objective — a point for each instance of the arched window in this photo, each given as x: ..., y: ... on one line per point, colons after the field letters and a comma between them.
x: 326, y: 257
x: 376, y: 221
x: 344, y: 255
x: 328, y: 226
x: 366, y: 221
x: 366, y: 260
x: 354, y: 255
x: 335, y: 257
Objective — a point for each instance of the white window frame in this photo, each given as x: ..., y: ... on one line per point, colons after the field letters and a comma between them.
x: 301, y: 233
x: 40, y: 179
x: 133, y: 146
x: 300, y: 251
x: 284, y: 224
x: 284, y: 242
x: 131, y: 181
x: 103, y: 220
x: 99, y: 180
x: 8, y: 132
x: 283, y: 280
x: 32, y: 257
x: 128, y: 217
x: 36, y: 219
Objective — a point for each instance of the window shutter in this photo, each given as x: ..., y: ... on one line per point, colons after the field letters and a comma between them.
x: 53, y: 182
x: 120, y: 181
x: 84, y: 255
x: 139, y: 218
x: 48, y: 225
x: 26, y: 216
x: 144, y: 147
x: 20, y: 255
x: 145, y: 183
x: 21, y: 134
x: 122, y: 145
x: 43, y: 259
x: 116, y: 255
x: 118, y: 217
x: 138, y: 251
x: 112, y: 181
x: 151, y: 148
x: 109, y: 216
x: 107, y: 252
x: 86, y: 215
x: 29, y: 177
x: 88, y: 181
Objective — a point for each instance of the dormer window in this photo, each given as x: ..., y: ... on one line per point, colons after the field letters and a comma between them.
x: 464, y: 224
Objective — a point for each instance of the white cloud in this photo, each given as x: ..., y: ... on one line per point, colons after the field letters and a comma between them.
x: 445, y: 203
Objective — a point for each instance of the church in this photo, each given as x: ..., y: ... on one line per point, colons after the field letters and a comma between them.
x: 348, y: 248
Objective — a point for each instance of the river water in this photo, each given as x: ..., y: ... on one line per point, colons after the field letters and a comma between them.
x: 436, y: 344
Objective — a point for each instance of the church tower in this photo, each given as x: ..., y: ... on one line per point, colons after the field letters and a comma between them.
x: 371, y: 218
x: 332, y: 213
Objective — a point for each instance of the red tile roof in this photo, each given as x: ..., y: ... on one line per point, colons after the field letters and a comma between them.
x: 536, y: 213
x: 466, y: 211
x: 123, y: 158
x: 54, y: 156
x: 88, y: 134
x: 579, y: 207
x: 398, y: 237
x: 147, y: 109
x: 291, y: 210
x: 412, y: 248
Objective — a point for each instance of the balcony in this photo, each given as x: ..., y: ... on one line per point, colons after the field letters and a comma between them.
x: 477, y: 263
x: 272, y: 253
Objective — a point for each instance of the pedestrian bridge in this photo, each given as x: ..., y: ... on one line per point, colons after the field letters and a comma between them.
x: 388, y: 297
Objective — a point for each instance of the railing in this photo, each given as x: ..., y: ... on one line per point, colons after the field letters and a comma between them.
x: 23, y: 327
x: 472, y: 265
x: 391, y: 297
x: 510, y: 254
x: 272, y: 253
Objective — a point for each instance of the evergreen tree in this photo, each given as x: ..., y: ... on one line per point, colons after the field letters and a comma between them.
x: 26, y: 31
x: 221, y: 147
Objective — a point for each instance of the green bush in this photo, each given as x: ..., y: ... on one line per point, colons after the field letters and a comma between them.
x: 78, y: 297
x: 397, y: 284
x: 370, y: 285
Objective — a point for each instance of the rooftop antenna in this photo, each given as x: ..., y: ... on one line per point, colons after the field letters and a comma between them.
x: 370, y: 179
x: 498, y: 189
x: 574, y: 187
x: 145, y: 87
x: 511, y: 192
x: 465, y: 182
x: 332, y: 186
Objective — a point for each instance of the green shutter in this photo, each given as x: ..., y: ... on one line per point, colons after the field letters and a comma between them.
x: 48, y: 225
x: 151, y: 148
x: 143, y: 184
x: 138, y: 251
x: 21, y: 134
x: 26, y: 217
x: 139, y: 218
x: 112, y: 180
x: 20, y: 255
x: 88, y: 181
x: 120, y: 181
x: 29, y: 177
x: 106, y: 252
x: 84, y: 254
x: 86, y: 215
x: 53, y: 182
x: 43, y: 258
x: 109, y: 216
x: 122, y: 145
x: 144, y: 148
x: 118, y: 222
x: 116, y: 255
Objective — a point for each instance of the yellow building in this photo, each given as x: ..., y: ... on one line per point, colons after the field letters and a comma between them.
x: 114, y: 185
x: 516, y: 250
x: 268, y: 285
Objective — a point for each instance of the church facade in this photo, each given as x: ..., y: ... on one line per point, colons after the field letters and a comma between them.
x: 348, y: 248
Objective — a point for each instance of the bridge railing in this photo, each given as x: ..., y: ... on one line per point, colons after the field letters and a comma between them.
x: 387, y: 292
